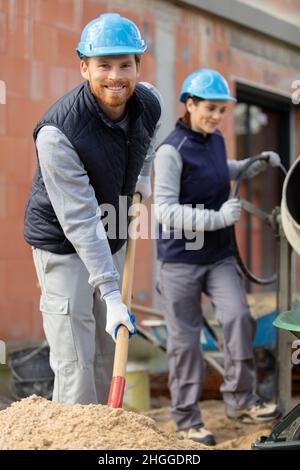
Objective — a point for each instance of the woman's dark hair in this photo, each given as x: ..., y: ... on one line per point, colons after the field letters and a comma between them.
x: 186, y: 119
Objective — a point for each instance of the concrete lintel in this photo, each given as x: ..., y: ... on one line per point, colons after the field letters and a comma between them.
x: 250, y: 17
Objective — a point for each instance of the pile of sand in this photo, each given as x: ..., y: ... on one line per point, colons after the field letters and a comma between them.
x: 35, y: 423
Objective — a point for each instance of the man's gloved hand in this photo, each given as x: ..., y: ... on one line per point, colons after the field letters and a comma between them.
x: 143, y: 186
x: 274, y: 158
x: 231, y: 211
x: 117, y: 314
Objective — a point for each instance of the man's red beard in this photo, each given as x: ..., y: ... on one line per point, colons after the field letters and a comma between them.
x: 109, y: 99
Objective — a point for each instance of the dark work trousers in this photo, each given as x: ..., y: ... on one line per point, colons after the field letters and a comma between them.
x: 181, y: 286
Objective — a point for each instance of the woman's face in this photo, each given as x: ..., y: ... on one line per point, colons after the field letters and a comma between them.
x: 207, y: 115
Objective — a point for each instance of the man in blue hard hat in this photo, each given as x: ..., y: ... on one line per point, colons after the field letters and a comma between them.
x: 95, y: 148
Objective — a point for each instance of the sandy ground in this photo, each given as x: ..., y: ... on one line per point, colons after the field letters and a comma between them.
x: 36, y: 423
x: 229, y: 434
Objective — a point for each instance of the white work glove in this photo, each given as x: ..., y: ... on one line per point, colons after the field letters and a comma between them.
x: 117, y: 314
x: 274, y: 158
x: 143, y: 186
x: 231, y: 211
x: 258, y: 167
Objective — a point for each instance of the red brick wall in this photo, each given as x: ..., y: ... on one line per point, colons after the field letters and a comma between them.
x: 37, y: 52
x: 38, y: 64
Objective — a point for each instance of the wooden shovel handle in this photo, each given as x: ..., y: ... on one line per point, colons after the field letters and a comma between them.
x: 121, y: 351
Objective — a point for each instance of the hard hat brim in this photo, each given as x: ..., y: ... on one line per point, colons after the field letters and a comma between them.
x: 103, y: 51
x: 185, y: 96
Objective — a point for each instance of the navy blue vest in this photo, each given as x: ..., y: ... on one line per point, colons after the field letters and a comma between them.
x: 204, y: 180
x: 112, y: 158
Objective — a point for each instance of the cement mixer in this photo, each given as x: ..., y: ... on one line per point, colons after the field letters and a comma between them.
x: 290, y: 207
x: 286, y: 434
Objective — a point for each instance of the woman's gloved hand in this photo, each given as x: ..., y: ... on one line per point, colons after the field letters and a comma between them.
x: 258, y: 167
x: 117, y: 314
x: 143, y: 186
x: 231, y: 211
x: 274, y: 158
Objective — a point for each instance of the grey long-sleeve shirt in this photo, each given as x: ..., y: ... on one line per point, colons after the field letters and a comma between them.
x: 75, y: 204
x: 168, y: 168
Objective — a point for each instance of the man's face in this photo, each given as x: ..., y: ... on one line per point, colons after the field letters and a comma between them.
x: 112, y: 79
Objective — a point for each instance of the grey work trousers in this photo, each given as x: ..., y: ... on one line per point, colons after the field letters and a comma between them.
x: 74, y: 319
x: 181, y: 286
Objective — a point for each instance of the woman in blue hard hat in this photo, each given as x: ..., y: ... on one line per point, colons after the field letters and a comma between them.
x: 94, y: 146
x: 192, y: 184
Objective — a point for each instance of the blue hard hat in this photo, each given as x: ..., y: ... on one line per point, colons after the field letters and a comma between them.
x: 207, y: 84
x: 110, y: 34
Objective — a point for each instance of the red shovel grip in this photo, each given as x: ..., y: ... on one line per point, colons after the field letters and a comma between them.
x: 116, y: 392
